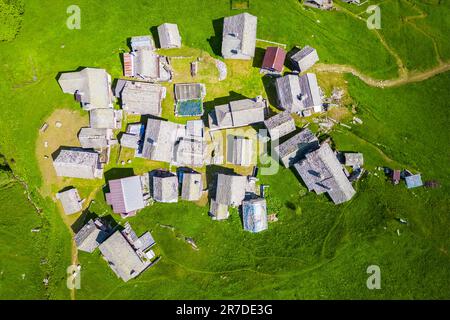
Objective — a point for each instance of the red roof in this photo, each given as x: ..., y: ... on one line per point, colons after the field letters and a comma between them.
x: 274, y: 59
x: 127, y: 65
x: 115, y: 196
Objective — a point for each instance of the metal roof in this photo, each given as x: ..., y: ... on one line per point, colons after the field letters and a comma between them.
x: 274, y: 59
x: 254, y: 215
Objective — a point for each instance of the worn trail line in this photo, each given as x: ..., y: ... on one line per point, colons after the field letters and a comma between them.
x: 405, y: 76
x: 404, y: 79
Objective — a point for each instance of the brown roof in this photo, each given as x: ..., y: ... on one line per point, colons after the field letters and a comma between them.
x: 274, y: 59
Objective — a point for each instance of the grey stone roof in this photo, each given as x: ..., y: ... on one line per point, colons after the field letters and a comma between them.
x: 305, y: 58
x: 320, y: 4
x: 169, y: 36
x: 310, y: 89
x: 195, y: 128
x: 238, y: 113
x: 121, y: 257
x: 160, y: 139
x: 165, y: 188
x: 192, y: 186
x: 218, y: 211
x: 148, y: 65
x: 142, y: 98
x: 189, y: 91
x: 102, y: 119
x: 230, y: 189
x: 89, y: 237
x: 296, y: 147
x: 322, y: 172
x: 78, y: 163
x: 142, y: 42
x: 240, y: 151
x: 296, y: 94
x: 128, y: 140
x: 190, y: 152
x: 70, y: 200
x: 94, y: 138
x: 280, y: 125
x: 92, y: 85
x: 239, y: 36
x: 354, y: 159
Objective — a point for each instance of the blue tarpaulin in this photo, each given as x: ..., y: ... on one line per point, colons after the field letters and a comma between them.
x: 413, y: 181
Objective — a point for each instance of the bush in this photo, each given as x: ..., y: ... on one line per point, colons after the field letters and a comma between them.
x: 11, y: 12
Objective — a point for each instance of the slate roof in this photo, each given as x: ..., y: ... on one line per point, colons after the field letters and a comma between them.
x: 195, y: 128
x: 280, y: 125
x: 293, y: 149
x: 189, y: 91
x: 94, y: 138
x: 296, y: 94
x: 274, y: 59
x: 128, y: 140
x: 125, y: 195
x: 254, y: 215
x: 230, y: 189
x: 240, y: 151
x: 102, y: 119
x: 165, y: 187
x: 354, y: 159
x: 92, y: 86
x: 192, y: 186
x: 70, y: 201
x: 142, y: 42
x: 142, y: 98
x: 121, y: 257
x: 78, y: 163
x: 239, y: 36
x: 169, y: 36
x: 145, y: 64
x: 160, y: 139
x: 305, y: 58
x: 218, y: 211
x: 322, y: 172
x: 238, y: 113
x: 190, y: 152
x: 89, y: 237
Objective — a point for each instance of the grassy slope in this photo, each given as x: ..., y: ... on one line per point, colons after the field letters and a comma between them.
x: 29, y: 257
x: 310, y: 232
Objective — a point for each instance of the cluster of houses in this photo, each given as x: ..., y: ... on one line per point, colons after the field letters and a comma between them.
x: 185, y: 146
x: 127, y: 254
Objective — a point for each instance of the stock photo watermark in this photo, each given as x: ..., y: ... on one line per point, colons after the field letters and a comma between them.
x: 73, y: 22
x: 374, y: 20
x: 264, y: 148
x: 73, y: 277
x: 374, y: 280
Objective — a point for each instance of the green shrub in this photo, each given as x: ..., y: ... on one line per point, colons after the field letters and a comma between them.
x: 11, y: 12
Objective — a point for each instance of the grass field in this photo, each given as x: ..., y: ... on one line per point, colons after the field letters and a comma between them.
x: 316, y: 249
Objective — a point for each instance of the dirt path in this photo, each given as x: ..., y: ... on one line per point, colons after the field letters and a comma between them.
x: 409, y: 77
x: 405, y: 76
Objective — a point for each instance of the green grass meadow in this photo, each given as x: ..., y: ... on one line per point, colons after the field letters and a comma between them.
x: 316, y: 250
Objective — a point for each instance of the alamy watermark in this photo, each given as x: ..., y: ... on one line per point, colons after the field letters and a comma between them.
x: 73, y: 277
x: 374, y: 20
x: 374, y: 280
x: 73, y: 22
